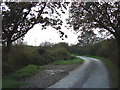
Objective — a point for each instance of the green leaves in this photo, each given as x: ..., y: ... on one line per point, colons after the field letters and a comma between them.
x: 26, y: 71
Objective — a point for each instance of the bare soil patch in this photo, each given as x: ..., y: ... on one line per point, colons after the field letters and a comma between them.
x: 48, y: 76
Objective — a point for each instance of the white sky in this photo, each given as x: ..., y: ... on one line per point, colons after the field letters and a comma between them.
x: 36, y: 36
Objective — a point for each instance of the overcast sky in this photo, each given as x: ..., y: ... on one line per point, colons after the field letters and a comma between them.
x: 36, y: 36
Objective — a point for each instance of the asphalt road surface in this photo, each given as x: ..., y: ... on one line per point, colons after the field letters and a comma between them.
x: 91, y: 74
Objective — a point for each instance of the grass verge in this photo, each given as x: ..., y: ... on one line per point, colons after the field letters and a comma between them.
x: 113, y: 71
x: 11, y: 81
x: 26, y: 71
x: 61, y: 62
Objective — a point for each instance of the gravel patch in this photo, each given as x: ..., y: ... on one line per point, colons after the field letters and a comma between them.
x: 48, y: 76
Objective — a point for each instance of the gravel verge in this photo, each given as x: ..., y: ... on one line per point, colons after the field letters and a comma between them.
x: 48, y: 76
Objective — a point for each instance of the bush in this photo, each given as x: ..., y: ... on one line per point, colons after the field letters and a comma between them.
x: 41, y: 51
x: 107, y: 51
x: 60, y: 53
x: 26, y: 71
x: 10, y: 83
x: 15, y: 59
x: 8, y: 67
x: 22, y: 55
x: 103, y: 49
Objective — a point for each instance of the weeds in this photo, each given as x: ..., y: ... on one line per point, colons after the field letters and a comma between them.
x: 61, y: 62
x: 26, y: 71
x: 10, y: 83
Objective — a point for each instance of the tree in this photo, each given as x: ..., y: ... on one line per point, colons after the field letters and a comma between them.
x: 62, y: 44
x: 46, y: 44
x: 88, y: 38
x: 19, y: 17
x: 98, y: 15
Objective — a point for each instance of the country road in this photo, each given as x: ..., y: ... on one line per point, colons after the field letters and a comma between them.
x: 91, y: 74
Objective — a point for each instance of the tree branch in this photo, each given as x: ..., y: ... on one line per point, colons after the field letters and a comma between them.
x: 41, y: 11
x: 105, y: 27
x: 22, y: 34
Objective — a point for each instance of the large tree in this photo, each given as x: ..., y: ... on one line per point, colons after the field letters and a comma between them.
x: 87, y: 38
x: 19, y: 17
x: 104, y: 15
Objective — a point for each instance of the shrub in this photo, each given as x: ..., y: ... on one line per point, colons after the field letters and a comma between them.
x: 10, y: 83
x: 15, y: 59
x: 107, y: 49
x: 22, y: 55
x: 26, y: 71
x: 60, y: 53
x: 41, y: 50
x: 8, y: 67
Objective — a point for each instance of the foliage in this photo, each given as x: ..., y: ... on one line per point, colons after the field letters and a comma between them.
x: 41, y: 51
x: 19, y: 17
x: 10, y: 83
x: 23, y: 55
x: 23, y: 61
x: 94, y: 14
x: 60, y: 62
x: 62, y: 44
x: 60, y: 54
x: 103, y: 49
x: 102, y: 15
x: 106, y: 49
x: 75, y: 49
x: 46, y: 44
x: 26, y: 71
x: 16, y: 58
x: 87, y: 38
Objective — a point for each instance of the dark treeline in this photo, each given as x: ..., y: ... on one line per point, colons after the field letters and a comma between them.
x: 107, y: 49
x: 23, y: 55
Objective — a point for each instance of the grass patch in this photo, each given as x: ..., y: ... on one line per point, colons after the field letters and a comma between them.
x: 113, y: 70
x: 10, y: 83
x: 61, y: 62
x: 41, y: 67
x: 26, y: 71
x: 74, y: 55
